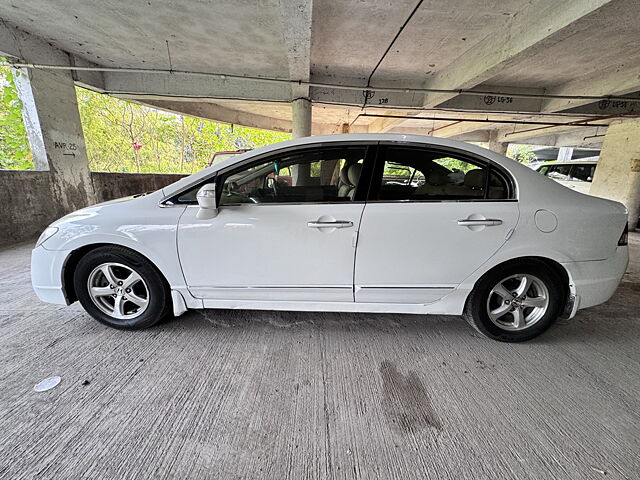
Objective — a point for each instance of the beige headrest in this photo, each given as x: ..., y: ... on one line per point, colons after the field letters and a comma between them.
x: 344, y: 174
x: 354, y: 173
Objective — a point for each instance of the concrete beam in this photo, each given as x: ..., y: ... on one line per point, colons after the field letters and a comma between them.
x: 538, y: 26
x: 505, y: 102
x: 215, y: 112
x: 555, y: 136
x: 160, y: 86
x: 617, y: 82
x: 375, y: 98
x: 296, y: 15
x: 27, y: 48
x: 383, y: 125
x: 477, y: 136
x: 453, y: 129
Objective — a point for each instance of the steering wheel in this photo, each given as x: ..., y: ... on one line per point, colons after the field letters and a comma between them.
x: 230, y: 191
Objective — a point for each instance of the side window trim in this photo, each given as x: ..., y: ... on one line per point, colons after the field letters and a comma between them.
x: 380, y: 159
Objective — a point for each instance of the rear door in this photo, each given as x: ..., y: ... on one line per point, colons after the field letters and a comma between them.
x: 432, y: 218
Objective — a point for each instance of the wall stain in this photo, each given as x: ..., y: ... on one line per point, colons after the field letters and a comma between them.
x: 405, y: 401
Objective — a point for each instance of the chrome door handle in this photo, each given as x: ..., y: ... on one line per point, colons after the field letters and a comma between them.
x: 489, y: 222
x: 334, y: 224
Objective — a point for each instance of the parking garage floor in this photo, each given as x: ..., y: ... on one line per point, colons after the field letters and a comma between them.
x: 240, y: 394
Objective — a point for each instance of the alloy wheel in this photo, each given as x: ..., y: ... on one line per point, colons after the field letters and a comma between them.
x: 118, y: 290
x: 517, y: 302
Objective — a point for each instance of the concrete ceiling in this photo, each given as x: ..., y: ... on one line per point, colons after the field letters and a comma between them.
x: 541, y: 47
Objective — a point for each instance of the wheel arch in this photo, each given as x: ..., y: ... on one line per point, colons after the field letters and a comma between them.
x: 550, y: 263
x: 74, y: 257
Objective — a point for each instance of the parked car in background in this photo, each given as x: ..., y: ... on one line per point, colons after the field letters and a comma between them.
x: 574, y: 174
x: 379, y: 223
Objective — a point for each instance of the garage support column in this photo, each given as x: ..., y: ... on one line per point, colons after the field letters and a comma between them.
x: 618, y: 174
x: 54, y: 130
x: 495, y: 145
x: 301, y: 127
x: 301, y: 113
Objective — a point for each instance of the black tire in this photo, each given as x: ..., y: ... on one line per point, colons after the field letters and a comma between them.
x: 476, y: 313
x: 158, y: 297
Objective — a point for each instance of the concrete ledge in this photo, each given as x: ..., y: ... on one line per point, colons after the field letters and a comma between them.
x: 26, y: 205
x: 109, y: 185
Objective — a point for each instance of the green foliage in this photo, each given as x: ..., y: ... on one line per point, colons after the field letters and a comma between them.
x: 168, y: 143
x: 14, y: 147
x: 521, y: 153
x: 455, y: 164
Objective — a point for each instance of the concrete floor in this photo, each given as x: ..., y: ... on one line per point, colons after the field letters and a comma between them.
x: 232, y: 394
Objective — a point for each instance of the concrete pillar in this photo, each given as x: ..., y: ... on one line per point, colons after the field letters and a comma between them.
x: 618, y: 173
x: 495, y: 145
x: 301, y: 118
x: 301, y: 127
x: 565, y: 154
x: 52, y: 120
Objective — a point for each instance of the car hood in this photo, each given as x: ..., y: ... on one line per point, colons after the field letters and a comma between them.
x: 110, y: 205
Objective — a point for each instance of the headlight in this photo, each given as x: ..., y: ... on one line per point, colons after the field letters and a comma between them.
x: 47, y: 234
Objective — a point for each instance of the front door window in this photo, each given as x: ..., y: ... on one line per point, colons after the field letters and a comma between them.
x: 318, y: 176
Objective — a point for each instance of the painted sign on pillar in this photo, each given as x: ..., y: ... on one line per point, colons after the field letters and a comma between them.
x: 67, y: 148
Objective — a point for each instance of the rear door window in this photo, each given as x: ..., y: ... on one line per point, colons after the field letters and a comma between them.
x: 421, y: 174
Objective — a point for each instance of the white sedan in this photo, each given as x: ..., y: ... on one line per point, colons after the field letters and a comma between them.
x: 344, y: 223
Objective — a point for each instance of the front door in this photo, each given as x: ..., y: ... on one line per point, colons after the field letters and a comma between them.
x: 433, y: 219
x: 286, y: 230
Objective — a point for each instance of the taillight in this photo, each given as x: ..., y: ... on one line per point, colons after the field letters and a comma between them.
x: 624, y: 238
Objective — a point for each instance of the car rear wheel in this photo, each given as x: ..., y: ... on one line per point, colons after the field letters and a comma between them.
x: 121, y: 288
x: 516, y: 302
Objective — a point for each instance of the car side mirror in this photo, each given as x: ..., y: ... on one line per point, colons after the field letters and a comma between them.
x: 207, y: 201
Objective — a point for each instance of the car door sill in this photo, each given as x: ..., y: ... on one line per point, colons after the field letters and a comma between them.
x: 313, y: 293
x: 402, y: 294
x: 317, y: 306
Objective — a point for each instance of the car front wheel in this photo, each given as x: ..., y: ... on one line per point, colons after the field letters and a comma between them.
x: 121, y: 288
x: 516, y: 302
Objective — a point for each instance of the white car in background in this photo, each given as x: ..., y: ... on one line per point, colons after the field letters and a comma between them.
x: 346, y: 223
x: 574, y: 174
